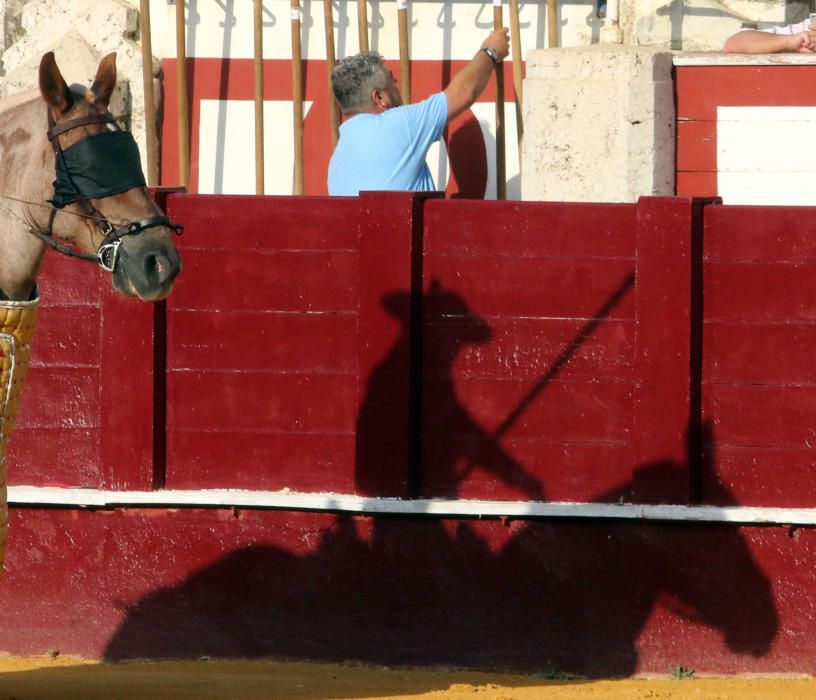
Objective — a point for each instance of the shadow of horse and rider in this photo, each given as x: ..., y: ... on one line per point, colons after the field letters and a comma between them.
x: 529, y: 595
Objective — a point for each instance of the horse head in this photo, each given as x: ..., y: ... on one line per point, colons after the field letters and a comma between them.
x: 101, y: 205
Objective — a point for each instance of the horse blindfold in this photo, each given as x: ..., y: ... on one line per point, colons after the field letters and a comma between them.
x: 97, y: 166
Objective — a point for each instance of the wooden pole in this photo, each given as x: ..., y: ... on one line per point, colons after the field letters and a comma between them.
x: 404, y: 50
x: 152, y: 156
x: 334, y: 116
x: 515, y: 34
x: 501, y: 177
x: 181, y: 98
x: 297, y: 96
x: 552, y: 24
x: 259, y: 95
x: 362, y: 24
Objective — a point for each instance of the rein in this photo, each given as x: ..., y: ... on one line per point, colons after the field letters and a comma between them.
x: 107, y: 255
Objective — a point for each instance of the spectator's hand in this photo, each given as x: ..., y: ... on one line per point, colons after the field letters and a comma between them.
x: 804, y: 42
x: 499, y: 41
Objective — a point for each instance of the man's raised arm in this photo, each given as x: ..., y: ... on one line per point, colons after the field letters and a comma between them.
x: 468, y: 83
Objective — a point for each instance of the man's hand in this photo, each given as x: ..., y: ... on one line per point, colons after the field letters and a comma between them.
x: 804, y: 42
x: 469, y: 82
x: 499, y: 41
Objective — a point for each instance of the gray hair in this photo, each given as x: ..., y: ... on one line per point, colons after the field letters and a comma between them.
x: 355, y: 77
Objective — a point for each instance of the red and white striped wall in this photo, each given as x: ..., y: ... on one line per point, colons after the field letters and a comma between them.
x: 744, y: 127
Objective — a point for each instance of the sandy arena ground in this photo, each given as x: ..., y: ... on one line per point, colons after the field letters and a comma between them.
x: 74, y: 679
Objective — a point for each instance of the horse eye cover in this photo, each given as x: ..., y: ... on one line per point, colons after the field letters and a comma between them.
x: 97, y: 166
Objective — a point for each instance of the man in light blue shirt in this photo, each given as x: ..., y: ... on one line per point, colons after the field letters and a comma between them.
x: 383, y: 143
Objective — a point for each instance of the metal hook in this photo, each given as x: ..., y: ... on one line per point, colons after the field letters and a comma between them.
x: 106, y: 227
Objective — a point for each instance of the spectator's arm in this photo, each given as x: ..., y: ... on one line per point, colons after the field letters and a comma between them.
x: 752, y: 41
x: 469, y: 82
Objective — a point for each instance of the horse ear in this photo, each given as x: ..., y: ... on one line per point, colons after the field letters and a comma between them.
x: 105, y: 80
x: 53, y: 88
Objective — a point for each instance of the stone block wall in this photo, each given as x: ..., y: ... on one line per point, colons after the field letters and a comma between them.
x: 599, y: 124
x: 80, y: 33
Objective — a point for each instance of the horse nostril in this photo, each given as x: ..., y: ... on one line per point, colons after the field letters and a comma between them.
x: 157, y: 268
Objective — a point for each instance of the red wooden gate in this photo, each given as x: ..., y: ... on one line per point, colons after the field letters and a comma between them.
x: 398, y: 345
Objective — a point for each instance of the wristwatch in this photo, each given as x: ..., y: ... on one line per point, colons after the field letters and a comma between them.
x: 492, y: 53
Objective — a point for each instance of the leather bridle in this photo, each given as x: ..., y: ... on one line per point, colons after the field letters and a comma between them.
x: 107, y: 255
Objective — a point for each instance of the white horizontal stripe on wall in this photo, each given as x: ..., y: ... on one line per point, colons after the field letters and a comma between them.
x: 34, y: 496
x: 762, y: 155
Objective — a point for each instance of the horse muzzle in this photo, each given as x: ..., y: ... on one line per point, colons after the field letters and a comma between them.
x: 146, y: 269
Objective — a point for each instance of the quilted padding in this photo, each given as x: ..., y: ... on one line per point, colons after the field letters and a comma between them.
x: 17, y: 323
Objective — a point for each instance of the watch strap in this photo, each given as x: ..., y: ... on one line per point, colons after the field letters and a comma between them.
x: 491, y: 53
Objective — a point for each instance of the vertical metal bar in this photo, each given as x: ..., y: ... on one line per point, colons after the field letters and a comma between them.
x: 181, y: 98
x: 297, y: 97
x: 515, y: 35
x: 404, y: 50
x: 334, y: 116
x: 501, y: 176
x: 149, y: 102
x: 362, y: 24
x: 259, y: 95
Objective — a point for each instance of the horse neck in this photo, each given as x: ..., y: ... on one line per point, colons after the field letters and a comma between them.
x: 26, y: 171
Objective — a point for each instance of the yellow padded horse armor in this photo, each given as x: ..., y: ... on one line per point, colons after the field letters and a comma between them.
x: 17, y: 322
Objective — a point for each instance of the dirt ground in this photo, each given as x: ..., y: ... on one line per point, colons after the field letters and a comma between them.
x: 73, y: 679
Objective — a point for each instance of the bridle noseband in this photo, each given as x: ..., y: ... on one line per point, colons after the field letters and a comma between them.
x: 107, y: 255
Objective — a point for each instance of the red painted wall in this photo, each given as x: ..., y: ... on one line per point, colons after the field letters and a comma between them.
x: 262, y: 333
x: 92, y: 401
x: 606, y: 598
x: 757, y: 362
x: 379, y: 345
x: 394, y: 344
x: 701, y: 89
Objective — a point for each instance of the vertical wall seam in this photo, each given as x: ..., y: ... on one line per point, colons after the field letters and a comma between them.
x: 696, y: 433
x: 415, y: 358
x: 159, y: 395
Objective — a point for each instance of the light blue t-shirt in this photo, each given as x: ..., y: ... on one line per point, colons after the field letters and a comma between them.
x: 387, y: 151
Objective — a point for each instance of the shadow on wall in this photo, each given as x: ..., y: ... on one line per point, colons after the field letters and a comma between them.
x: 570, y: 595
x: 382, y: 445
